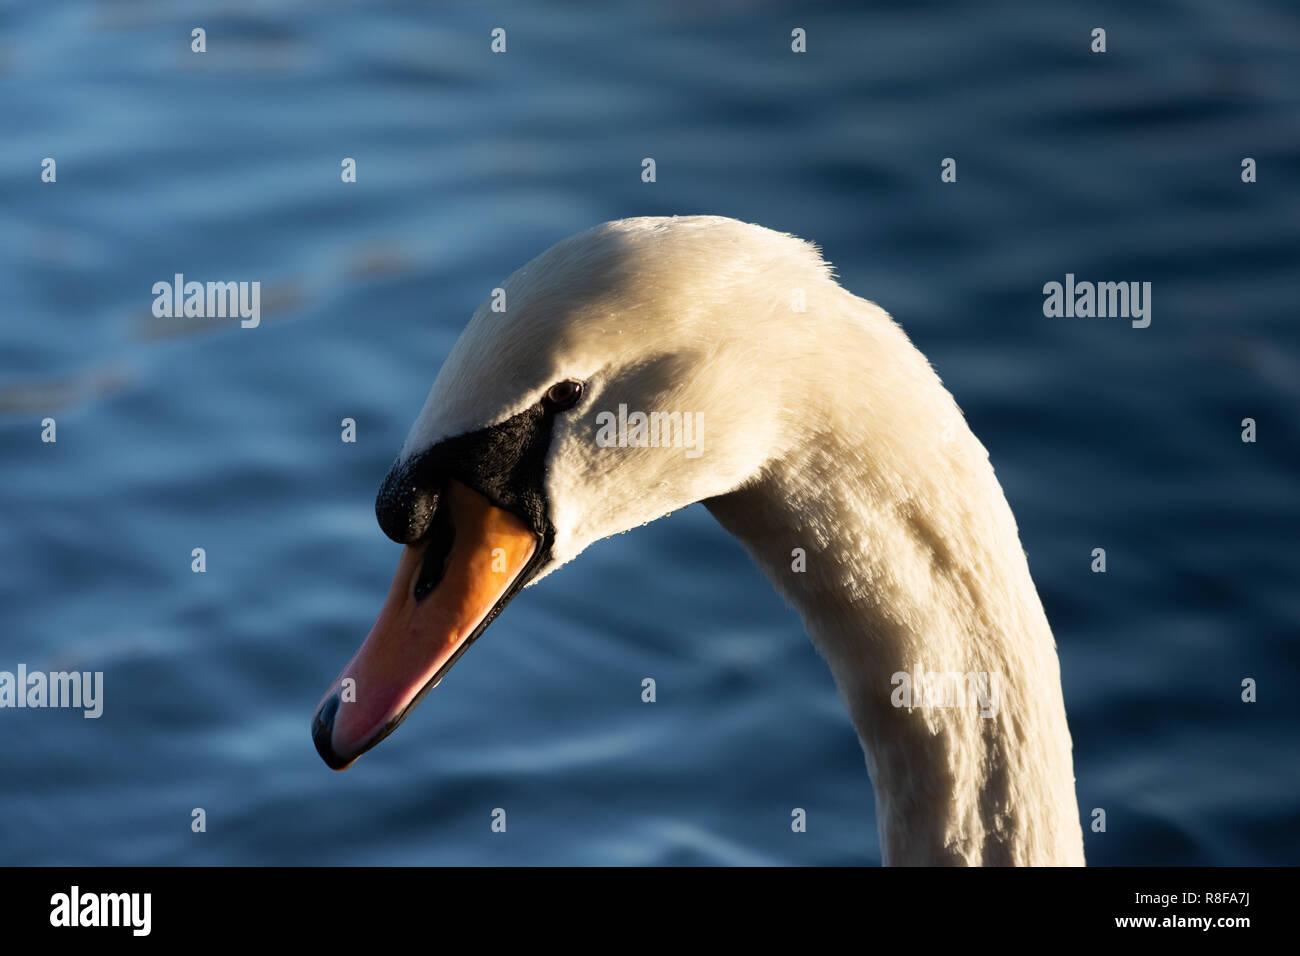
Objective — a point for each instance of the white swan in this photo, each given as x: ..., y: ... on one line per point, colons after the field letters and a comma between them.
x: 823, y: 429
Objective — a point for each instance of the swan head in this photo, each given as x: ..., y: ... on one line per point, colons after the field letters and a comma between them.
x: 625, y: 373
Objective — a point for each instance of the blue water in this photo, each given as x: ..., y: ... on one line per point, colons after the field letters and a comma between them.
x: 177, y: 434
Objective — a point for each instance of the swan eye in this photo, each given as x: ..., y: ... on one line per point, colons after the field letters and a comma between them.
x: 565, y: 394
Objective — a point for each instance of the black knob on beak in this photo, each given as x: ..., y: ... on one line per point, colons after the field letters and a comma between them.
x: 406, y: 502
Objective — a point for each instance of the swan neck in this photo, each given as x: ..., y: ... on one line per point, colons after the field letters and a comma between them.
x: 915, y: 568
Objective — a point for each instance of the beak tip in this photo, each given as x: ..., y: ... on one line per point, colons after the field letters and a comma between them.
x: 443, y: 595
x: 322, y: 735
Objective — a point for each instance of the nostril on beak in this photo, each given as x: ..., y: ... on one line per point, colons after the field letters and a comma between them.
x: 441, y: 536
x: 322, y: 733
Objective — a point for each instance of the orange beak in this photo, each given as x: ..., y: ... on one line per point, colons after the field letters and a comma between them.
x: 447, y: 588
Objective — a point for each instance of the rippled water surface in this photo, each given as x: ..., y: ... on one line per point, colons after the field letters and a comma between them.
x: 176, y: 434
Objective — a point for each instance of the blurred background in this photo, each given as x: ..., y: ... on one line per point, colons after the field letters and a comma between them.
x: 181, y: 433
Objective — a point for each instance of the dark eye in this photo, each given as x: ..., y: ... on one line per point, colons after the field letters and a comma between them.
x: 565, y: 394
